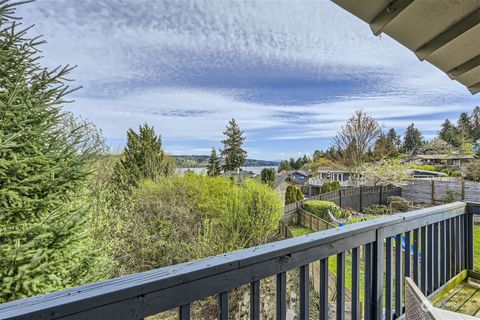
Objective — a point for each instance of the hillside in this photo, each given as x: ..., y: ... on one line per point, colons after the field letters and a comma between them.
x: 198, y: 161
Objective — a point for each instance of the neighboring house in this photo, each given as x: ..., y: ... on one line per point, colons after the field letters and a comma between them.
x: 441, y: 159
x: 298, y: 177
x: 425, y: 174
x: 327, y: 174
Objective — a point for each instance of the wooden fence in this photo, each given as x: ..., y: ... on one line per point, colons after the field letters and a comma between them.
x: 435, y: 192
x: 356, y: 198
x: 314, y: 223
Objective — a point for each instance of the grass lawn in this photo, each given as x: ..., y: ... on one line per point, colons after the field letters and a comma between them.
x: 300, y: 231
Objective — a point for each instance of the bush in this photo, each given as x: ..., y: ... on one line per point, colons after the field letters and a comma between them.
x: 377, y: 209
x: 450, y: 196
x: 178, y: 219
x: 398, y: 203
x: 299, y: 194
x: 319, y: 208
x: 330, y: 186
x: 472, y: 171
x: 425, y: 167
x: 293, y: 194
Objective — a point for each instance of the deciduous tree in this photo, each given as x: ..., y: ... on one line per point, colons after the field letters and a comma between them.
x: 356, y: 138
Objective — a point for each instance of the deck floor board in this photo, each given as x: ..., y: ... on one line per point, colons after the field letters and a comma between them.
x: 463, y: 298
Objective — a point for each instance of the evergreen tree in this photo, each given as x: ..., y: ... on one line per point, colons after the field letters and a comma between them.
x: 385, y: 146
x: 413, y: 139
x: 449, y: 133
x: 268, y: 176
x: 290, y: 195
x: 475, y: 123
x: 213, y: 167
x: 232, y: 150
x: 284, y: 166
x: 394, y: 137
x: 143, y: 158
x: 43, y: 172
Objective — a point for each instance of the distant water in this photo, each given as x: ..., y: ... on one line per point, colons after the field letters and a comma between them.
x: 255, y: 170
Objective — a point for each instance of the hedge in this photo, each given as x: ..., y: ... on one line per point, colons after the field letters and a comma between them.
x: 319, y: 208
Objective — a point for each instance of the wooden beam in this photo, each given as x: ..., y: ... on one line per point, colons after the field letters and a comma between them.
x: 475, y: 88
x: 464, y: 67
x: 387, y: 15
x: 448, y: 35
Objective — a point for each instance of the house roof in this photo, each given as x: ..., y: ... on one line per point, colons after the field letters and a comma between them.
x: 442, y: 32
x: 334, y: 170
x: 427, y: 172
x: 300, y: 172
x: 444, y: 157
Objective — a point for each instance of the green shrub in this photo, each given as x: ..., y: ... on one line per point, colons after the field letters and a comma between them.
x: 330, y: 186
x: 293, y: 194
x: 178, y: 219
x: 425, y: 167
x: 299, y: 195
x: 377, y: 209
x: 398, y: 203
x: 319, y: 208
x: 450, y: 196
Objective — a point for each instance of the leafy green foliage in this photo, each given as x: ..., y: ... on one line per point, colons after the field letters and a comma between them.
x: 293, y: 194
x: 284, y: 166
x: 377, y: 209
x: 425, y: 167
x: 319, y: 208
x: 385, y: 172
x: 44, y: 158
x: 451, y: 195
x: 268, y: 176
x: 472, y: 171
x: 178, y: 219
x: 330, y: 186
x: 232, y: 151
x: 213, y: 167
x: 143, y: 158
x: 398, y: 203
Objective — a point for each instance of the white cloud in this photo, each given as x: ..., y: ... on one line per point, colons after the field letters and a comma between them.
x: 186, y: 66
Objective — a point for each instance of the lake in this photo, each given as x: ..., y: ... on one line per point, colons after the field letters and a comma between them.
x: 255, y: 170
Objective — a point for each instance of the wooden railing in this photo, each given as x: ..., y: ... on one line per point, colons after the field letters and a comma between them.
x: 442, y: 239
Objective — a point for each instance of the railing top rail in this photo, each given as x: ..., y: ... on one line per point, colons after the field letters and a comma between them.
x: 154, y: 291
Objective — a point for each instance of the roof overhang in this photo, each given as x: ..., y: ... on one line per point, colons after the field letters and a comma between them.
x: 445, y: 33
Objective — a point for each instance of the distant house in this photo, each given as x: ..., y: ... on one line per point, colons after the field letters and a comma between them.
x: 425, y: 174
x: 453, y: 160
x: 327, y: 174
x: 298, y: 177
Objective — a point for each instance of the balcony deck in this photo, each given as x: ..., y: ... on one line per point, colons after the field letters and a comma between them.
x: 442, y: 245
x: 461, y: 295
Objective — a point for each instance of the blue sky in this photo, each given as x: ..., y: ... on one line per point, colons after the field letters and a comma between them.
x: 290, y: 72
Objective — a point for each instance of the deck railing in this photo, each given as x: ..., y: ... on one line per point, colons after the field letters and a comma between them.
x: 438, y: 244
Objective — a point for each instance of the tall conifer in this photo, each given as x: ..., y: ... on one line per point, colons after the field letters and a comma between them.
x: 232, y: 150
x: 43, y: 170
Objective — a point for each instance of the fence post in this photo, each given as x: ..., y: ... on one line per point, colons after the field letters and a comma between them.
x: 433, y: 191
x: 361, y: 199
x: 340, y: 197
x: 380, y: 193
x: 463, y: 190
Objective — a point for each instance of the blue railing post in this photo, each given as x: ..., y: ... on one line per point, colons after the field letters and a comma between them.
x: 377, y: 277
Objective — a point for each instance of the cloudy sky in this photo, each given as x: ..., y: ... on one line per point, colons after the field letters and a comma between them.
x: 290, y: 72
